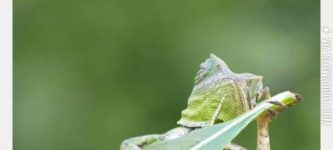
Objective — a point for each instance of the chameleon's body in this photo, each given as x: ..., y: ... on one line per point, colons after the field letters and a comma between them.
x: 218, y: 95
x: 223, y: 104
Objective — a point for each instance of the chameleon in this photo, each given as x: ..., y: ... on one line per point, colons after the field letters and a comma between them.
x: 218, y: 95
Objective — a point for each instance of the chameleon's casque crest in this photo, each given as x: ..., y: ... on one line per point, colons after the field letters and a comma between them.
x: 211, y: 67
x: 217, y: 88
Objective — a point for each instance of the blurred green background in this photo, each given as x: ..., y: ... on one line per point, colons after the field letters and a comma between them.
x: 89, y: 74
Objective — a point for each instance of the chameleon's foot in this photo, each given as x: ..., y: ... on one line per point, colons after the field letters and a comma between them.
x: 272, y: 114
x: 277, y: 103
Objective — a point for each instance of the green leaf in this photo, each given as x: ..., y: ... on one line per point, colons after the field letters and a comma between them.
x: 217, y: 136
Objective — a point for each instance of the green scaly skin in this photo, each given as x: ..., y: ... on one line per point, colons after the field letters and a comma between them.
x: 218, y: 95
x: 205, y: 105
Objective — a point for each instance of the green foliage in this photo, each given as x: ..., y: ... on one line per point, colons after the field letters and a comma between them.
x: 217, y: 136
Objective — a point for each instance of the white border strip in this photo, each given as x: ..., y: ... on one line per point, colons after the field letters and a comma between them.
x: 326, y: 111
x: 6, y: 120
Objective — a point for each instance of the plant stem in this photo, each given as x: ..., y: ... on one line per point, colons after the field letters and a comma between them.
x: 262, y: 133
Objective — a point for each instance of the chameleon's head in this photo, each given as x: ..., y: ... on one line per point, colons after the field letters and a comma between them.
x: 211, y: 67
x: 219, y: 94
